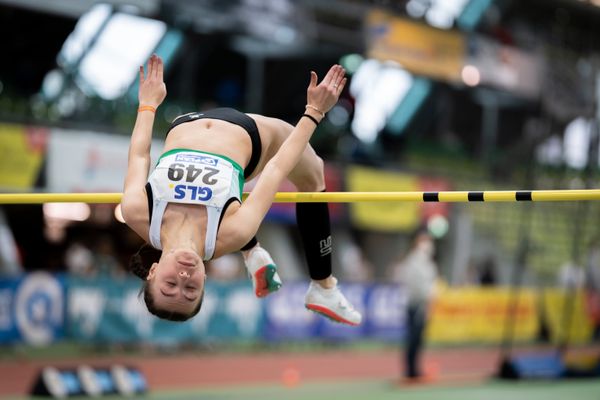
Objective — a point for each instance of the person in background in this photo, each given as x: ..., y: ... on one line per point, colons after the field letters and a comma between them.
x: 105, y: 258
x: 592, y: 279
x: 417, y: 273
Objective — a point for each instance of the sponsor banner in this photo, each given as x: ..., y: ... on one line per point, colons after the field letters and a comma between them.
x: 421, y: 49
x: 383, y: 308
x: 80, y: 161
x: 385, y: 311
x: 481, y: 315
x: 40, y: 308
x: 22, y: 150
x: 286, y: 317
x: 383, y: 216
x: 565, y: 309
x: 32, y: 309
x: 109, y: 310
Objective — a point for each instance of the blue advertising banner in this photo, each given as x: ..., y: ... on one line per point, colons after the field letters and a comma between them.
x: 32, y: 309
x: 40, y: 308
x: 285, y: 314
x: 108, y: 310
x: 383, y: 308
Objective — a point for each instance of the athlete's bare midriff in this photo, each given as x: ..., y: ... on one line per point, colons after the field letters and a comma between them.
x: 213, y: 136
x: 230, y: 140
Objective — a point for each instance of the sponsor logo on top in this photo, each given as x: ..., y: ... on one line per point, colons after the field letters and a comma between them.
x: 197, y: 159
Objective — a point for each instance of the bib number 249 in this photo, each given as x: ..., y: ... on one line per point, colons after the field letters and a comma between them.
x: 191, y: 172
x: 193, y: 192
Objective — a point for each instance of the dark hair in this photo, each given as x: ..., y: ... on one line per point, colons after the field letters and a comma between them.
x: 140, y: 262
x: 139, y: 265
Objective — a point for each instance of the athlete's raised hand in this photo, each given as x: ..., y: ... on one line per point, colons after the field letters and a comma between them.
x: 152, y: 87
x: 324, y: 95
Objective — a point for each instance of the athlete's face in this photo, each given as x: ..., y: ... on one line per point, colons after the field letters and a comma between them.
x: 177, y: 281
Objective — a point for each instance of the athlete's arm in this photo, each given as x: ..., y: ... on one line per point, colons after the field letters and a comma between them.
x: 151, y: 94
x: 323, y: 97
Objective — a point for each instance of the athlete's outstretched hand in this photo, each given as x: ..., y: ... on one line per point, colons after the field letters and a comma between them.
x: 324, y: 95
x: 152, y: 87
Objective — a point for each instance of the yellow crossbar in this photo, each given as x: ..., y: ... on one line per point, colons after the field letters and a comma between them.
x: 337, y: 197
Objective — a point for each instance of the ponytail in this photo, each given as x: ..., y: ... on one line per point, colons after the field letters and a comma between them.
x: 140, y: 262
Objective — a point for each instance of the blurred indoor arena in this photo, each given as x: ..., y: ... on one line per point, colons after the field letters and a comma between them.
x: 461, y: 299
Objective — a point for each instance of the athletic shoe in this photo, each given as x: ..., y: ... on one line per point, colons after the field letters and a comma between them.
x: 332, y: 304
x: 262, y: 271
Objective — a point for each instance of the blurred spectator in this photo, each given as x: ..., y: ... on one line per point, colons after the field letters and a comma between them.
x: 10, y: 261
x: 106, y: 263
x: 482, y: 273
x: 471, y: 275
x: 571, y: 276
x: 417, y: 272
x: 593, y: 285
x: 355, y: 267
x: 487, y: 271
x: 79, y: 260
x: 593, y: 266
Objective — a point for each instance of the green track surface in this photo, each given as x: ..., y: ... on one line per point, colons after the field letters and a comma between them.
x: 383, y: 390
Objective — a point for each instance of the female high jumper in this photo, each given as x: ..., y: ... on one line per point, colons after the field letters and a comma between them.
x: 190, y: 207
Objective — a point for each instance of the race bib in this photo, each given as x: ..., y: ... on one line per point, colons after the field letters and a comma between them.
x: 193, y: 178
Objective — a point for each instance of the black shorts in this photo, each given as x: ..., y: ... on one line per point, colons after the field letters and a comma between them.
x: 235, y: 117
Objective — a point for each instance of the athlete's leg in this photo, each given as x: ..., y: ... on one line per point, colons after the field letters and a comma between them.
x: 313, y: 218
x: 323, y: 295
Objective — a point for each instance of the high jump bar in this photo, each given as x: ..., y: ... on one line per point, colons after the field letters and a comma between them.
x: 337, y: 197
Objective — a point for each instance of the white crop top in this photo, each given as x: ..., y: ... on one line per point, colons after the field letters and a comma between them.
x: 193, y: 177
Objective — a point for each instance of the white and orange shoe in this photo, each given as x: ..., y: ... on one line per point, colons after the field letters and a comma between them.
x: 262, y: 271
x: 332, y: 304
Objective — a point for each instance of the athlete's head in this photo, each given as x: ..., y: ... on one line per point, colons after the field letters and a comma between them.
x: 173, y: 282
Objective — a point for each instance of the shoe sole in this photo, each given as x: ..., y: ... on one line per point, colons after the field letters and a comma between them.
x: 265, y: 284
x: 327, y: 313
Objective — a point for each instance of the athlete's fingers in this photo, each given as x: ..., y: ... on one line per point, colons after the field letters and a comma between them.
x: 337, y: 72
x: 329, y: 79
x: 160, y: 69
x: 313, y: 79
x: 152, y: 71
x: 342, y: 85
x: 141, y: 74
x: 337, y: 77
x: 156, y: 67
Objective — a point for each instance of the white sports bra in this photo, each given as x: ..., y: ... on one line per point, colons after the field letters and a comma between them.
x: 193, y: 177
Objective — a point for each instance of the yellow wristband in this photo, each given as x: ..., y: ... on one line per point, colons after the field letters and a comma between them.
x: 146, y: 108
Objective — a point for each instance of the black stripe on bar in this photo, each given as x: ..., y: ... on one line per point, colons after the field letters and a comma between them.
x: 431, y: 196
x: 475, y: 196
x: 523, y: 195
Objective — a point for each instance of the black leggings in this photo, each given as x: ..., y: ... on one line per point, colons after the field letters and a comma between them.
x: 315, y: 231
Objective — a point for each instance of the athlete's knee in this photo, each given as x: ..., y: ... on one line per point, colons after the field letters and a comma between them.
x: 313, y: 180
